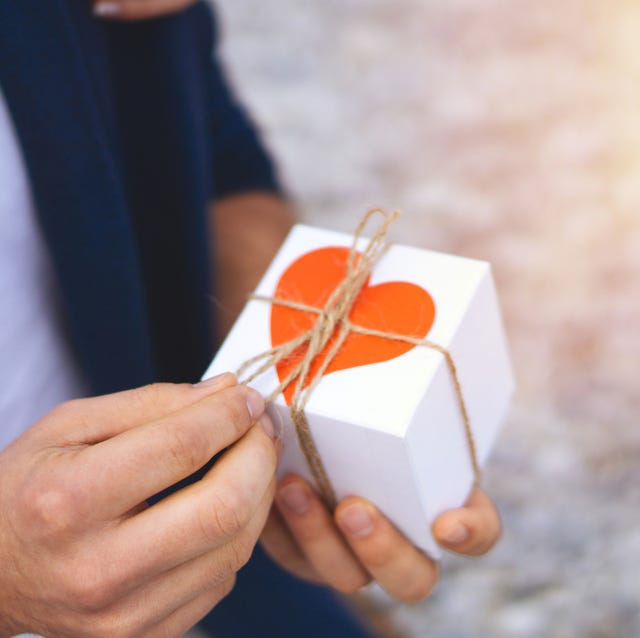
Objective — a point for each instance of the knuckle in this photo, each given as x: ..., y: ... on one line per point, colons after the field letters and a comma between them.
x: 87, y: 582
x: 216, y: 572
x: 226, y: 587
x: 242, y: 548
x: 87, y: 591
x: 147, y: 395
x: 232, y: 561
x: 67, y: 410
x: 224, y: 566
x: 52, y: 507
x: 229, y: 514
x: 150, y: 391
x: 186, y: 447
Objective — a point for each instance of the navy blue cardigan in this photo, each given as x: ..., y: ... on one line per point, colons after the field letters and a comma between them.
x: 128, y: 130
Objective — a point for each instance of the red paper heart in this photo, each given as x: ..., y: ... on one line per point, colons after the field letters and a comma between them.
x: 395, y: 306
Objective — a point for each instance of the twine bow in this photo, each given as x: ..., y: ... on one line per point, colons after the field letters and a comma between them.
x: 333, y: 319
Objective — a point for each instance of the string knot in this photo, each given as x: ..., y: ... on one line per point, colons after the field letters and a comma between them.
x: 332, y: 321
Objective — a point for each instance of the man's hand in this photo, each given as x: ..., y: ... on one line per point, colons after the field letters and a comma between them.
x: 82, y: 553
x: 358, y: 544
x: 138, y: 9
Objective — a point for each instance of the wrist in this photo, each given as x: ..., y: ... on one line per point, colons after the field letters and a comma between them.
x: 247, y: 232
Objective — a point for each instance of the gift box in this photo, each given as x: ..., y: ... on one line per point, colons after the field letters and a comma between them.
x: 403, y: 399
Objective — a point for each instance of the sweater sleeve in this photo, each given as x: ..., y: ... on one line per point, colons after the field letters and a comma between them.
x: 240, y: 160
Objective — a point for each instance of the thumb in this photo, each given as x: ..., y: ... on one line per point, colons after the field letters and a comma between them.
x: 92, y: 420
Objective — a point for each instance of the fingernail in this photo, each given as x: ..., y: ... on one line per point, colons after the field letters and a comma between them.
x: 456, y: 535
x: 270, y: 427
x: 105, y: 9
x: 210, y: 381
x: 278, y: 423
x: 295, y: 498
x: 357, y: 520
x: 255, y: 404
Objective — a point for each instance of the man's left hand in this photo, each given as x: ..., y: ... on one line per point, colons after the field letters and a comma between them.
x: 357, y: 544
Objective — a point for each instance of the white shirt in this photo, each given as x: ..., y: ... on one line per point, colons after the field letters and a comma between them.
x: 37, y: 369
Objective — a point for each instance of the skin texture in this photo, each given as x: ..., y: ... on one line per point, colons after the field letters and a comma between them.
x: 247, y: 230
x: 88, y: 557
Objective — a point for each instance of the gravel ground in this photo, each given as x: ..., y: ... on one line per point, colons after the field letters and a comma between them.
x: 508, y: 131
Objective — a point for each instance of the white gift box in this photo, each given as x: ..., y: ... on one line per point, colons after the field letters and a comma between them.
x: 385, y: 418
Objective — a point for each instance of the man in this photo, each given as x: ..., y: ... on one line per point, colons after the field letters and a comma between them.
x: 114, y: 139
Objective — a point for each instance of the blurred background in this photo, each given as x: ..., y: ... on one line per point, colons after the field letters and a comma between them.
x: 506, y: 130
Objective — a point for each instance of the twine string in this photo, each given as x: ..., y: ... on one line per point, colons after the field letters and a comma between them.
x: 333, y: 319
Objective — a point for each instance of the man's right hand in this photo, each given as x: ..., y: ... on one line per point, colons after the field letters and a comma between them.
x: 80, y: 551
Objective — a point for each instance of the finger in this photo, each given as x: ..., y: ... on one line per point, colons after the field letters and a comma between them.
x: 144, y: 460
x: 138, y: 9
x: 176, y: 587
x: 472, y: 530
x: 279, y: 544
x: 183, y: 619
x: 402, y: 570
x: 89, y: 421
x: 202, y: 516
x: 314, y: 531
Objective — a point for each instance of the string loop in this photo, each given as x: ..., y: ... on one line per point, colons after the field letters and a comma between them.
x: 333, y: 318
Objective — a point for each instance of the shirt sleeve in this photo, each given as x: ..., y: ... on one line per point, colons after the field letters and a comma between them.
x: 241, y: 162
